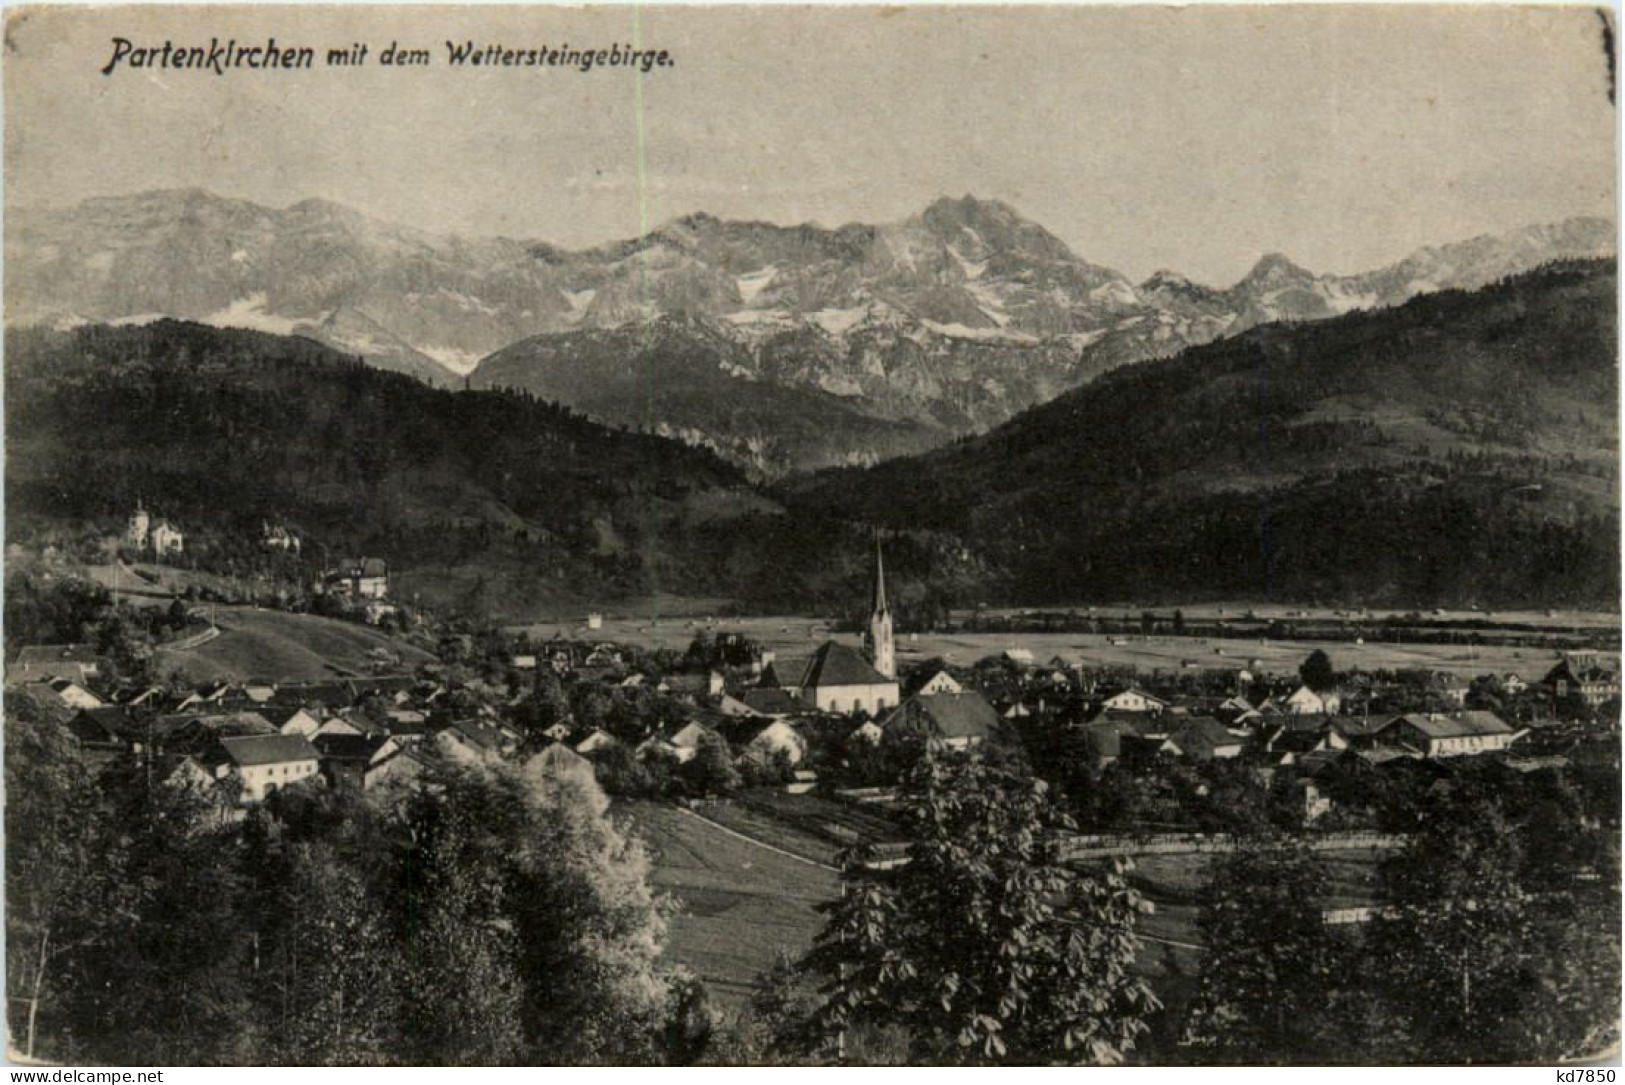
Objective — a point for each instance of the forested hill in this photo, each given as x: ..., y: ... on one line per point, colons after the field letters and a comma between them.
x: 219, y: 430
x: 1460, y: 448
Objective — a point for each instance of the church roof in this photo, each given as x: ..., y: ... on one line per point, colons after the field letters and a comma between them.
x: 838, y: 665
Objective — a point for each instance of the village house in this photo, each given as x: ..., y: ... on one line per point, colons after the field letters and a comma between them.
x: 351, y: 760
x: 771, y: 702
x: 957, y: 720
x: 1306, y: 702
x: 597, y: 740
x: 475, y: 739
x: 291, y: 720
x: 1579, y: 673
x: 940, y: 682
x: 686, y: 742
x: 1133, y: 699
x: 106, y: 731
x: 265, y: 763
x: 1436, y: 735
x: 70, y: 693
x: 778, y: 737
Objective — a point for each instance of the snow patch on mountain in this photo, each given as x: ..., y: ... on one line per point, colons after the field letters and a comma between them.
x: 751, y: 285
x: 251, y: 313
x: 460, y: 362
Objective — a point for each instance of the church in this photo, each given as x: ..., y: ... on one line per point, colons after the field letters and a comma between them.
x: 839, y: 679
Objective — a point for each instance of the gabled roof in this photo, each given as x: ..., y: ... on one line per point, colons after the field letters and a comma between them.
x: 246, y: 750
x: 770, y: 702
x: 1104, y: 737
x: 108, y: 723
x: 478, y: 733
x: 365, y: 567
x: 558, y: 759
x: 332, y: 694
x: 1207, y: 729
x: 945, y: 715
x: 350, y: 747
x: 836, y: 664
x: 1459, y: 725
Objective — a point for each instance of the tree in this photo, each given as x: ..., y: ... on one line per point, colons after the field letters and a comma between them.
x: 1316, y: 671
x: 711, y: 770
x: 1271, y: 969
x: 332, y: 970
x: 1453, y: 944
x: 60, y: 856
x: 984, y: 947
x: 460, y: 987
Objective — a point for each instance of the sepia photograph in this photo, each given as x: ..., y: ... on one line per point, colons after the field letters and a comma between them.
x: 834, y: 536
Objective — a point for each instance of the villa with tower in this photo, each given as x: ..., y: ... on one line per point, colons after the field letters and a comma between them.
x: 142, y: 534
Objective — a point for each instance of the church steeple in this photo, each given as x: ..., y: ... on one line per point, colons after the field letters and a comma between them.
x: 878, y: 644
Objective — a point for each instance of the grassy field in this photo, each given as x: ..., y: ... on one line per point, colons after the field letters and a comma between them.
x: 774, y: 831
x: 740, y: 903
x: 794, y: 637
x: 286, y: 647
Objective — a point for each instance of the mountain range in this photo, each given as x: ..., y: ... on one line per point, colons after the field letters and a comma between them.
x: 1461, y: 448
x: 781, y: 348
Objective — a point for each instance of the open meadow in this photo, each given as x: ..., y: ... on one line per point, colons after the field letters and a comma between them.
x: 740, y: 903
x: 255, y: 643
x: 795, y: 636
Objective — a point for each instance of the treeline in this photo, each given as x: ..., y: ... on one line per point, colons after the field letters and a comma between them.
x: 496, y: 916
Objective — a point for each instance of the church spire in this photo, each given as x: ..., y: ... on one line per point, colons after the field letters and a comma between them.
x: 877, y: 601
x: 878, y: 644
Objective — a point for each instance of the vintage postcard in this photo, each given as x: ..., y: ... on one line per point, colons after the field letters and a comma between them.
x: 670, y: 536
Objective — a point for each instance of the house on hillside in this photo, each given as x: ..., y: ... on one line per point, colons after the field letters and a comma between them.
x: 361, y: 578
x: 838, y: 679
x: 774, y: 703
x: 957, y: 720
x: 167, y: 539
x: 1436, y: 735
x: 265, y: 763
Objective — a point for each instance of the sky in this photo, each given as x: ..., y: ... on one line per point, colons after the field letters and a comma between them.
x: 1187, y: 138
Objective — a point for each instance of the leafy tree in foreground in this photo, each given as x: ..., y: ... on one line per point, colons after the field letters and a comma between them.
x: 1271, y: 969
x: 1454, y: 948
x: 984, y: 948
